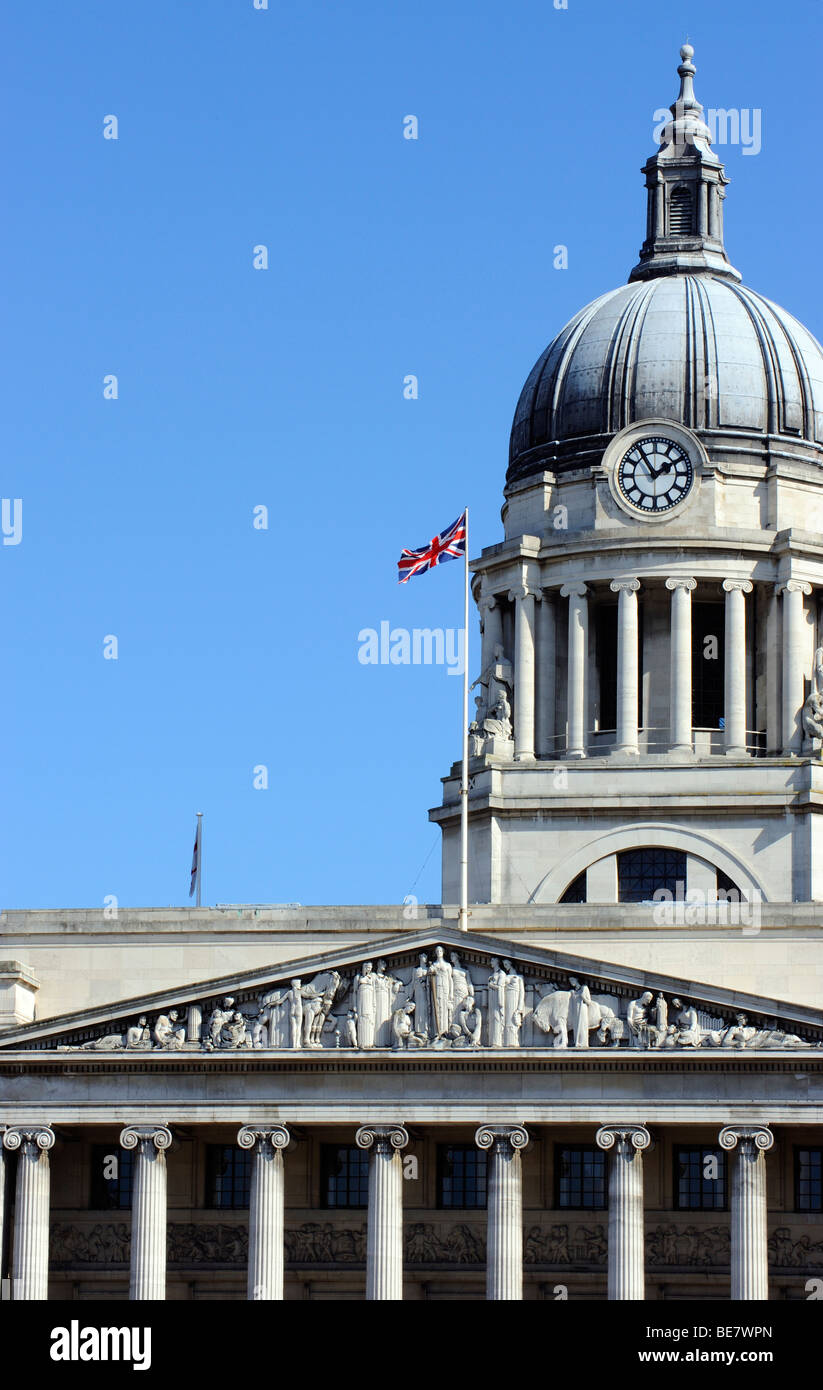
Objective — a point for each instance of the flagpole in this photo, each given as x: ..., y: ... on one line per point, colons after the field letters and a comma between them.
x: 199, y: 852
x: 463, y: 914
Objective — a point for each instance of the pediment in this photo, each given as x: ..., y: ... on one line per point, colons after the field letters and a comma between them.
x: 471, y: 993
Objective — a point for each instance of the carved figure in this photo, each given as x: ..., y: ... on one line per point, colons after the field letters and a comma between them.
x: 351, y: 1028
x: 168, y: 1033
x: 138, y: 1034
x: 689, y: 1032
x: 365, y: 999
x: 419, y: 994
x: 462, y: 985
x: 499, y: 722
x: 641, y: 1032
x: 294, y: 997
x: 496, y: 1003
x: 402, y: 1025
x: 514, y: 1005
x: 441, y: 976
x: 552, y: 1016
x: 219, y: 1018
x: 578, y: 1017
x: 387, y: 990
x: 468, y: 1024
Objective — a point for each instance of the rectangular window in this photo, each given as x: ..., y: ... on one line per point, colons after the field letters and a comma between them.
x: 580, y: 1177
x: 708, y: 638
x: 344, y: 1176
x: 699, y: 1178
x: 641, y: 872
x: 112, y: 1169
x: 461, y: 1176
x: 808, y: 1179
x: 228, y: 1176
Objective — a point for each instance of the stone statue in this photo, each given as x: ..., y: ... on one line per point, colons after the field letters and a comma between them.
x: 403, y: 1029
x: 168, y: 1033
x: 578, y: 1019
x: 272, y: 1024
x: 497, y: 1003
x: 641, y: 1032
x: 318, y: 998
x: 419, y: 994
x: 497, y: 679
x: 812, y: 713
x: 219, y: 1018
x: 351, y: 1028
x: 467, y: 1027
x: 236, y: 1032
x: 689, y: 1032
x: 365, y: 1000
x: 441, y: 977
x: 661, y: 1018
x: 387, y: 990
x: 514, y: 1005
x: 462, y: 986
x: 294, y: 998
x: 138, y: 1034
x: 498, y: 724
x: 553, y: 1015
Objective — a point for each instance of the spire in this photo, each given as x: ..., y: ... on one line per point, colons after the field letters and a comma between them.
x: 685, y: 182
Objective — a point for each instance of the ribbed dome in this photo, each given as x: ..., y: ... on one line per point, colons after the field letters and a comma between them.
x: 697, y: 349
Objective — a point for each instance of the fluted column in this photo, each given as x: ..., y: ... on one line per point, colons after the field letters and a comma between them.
x: 523, y: 598
x: 750, y: 1251
x: 626, y: 1240
x: 504, y: 1211
x: 30, y: 1259
x: 492, y: 629
x: 384, y: 1241
x: 148, y: 1209
x: 735, y: 672
x: 266, y: 1209
x: 681, y: 664
x: 577, y: 594
x: 627, y: 691
x: 794, y: 662
x: 546, y: 661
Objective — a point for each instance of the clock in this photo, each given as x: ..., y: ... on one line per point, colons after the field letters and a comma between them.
x: 654, y: 475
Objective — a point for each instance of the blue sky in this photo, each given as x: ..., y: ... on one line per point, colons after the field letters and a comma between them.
x: 237, y: 647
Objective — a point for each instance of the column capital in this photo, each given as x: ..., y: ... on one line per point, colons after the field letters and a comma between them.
x: 383, y: 1138
x: 522, y: 591
x: 158, y: 1135
x: 636, y: 1135
x: 21, y: 1136
x: 759, y: 1135
x: 275, y: 1135
x: 501, y: 1136
x: 630, y: 586
x: 487, y: 602
x: 675, y: 582
x: 577, y: 589
x: 731, y: 586
x: 794, y: 586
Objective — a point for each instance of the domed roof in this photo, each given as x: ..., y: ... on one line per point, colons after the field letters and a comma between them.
x: 696, y: 349
x: 682, y: 341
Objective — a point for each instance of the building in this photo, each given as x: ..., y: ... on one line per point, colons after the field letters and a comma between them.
x: 611, y: 1085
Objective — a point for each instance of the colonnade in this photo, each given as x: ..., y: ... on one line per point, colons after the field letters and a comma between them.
x: 625, y: 1144
x: 535, y: 619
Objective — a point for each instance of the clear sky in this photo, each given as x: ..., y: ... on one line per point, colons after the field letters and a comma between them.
x: 238, y: 387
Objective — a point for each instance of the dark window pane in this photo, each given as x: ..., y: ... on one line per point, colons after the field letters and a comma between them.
x: 461, y: 1175
x: 606, y: 646
x: 580, y: 1177
x: 708, y: 636
x: 344, y: 1176
x: 641, y: 872
x: 228, y: 1176
x: 699, y: 1178
x: 111, y: 1193
x: 576, y: 891
x: 808, y: 1179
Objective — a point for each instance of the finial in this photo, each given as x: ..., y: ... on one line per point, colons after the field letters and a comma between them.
x: 686, y: 100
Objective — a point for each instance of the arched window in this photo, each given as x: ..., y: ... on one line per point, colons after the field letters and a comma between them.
x: 576, y: 891
x: 681, y: 215
x: 641, y: 872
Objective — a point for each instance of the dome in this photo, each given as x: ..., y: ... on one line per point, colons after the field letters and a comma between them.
x: 697, y: 349
x: 684, y: 340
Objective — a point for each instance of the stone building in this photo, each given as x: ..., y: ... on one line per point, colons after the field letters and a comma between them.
x: 611, y: 1084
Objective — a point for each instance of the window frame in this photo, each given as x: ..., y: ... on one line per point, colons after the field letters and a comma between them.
x: 798, y: 1149
x: 703, y: 1150
x: 238, y: 1156
x: 124, y: 1179
x: 326, y: 1151
x: 480, y: 1158
x: 600, y: 1155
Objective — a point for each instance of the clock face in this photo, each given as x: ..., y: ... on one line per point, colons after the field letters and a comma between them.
x: 654, y: 475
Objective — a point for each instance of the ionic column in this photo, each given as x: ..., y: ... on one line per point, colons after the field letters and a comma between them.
x: 794, y: 662
x: 266, y: 1209
x: 627, y: 704
x: 523, y: 598
x: 148, y: 1209
x: 735, y: 657
x: 750, y: 1250
x: 30, y: 1259
x: 492, y: 629
x: 577, y: 594
x: 504, y: 1214
x: 626, y: 1243
x: 681, y: 664
x: 546, y: 675
x: 384, y: 1241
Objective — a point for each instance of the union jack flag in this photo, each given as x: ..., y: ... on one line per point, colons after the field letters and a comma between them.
x: 449, y: 545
